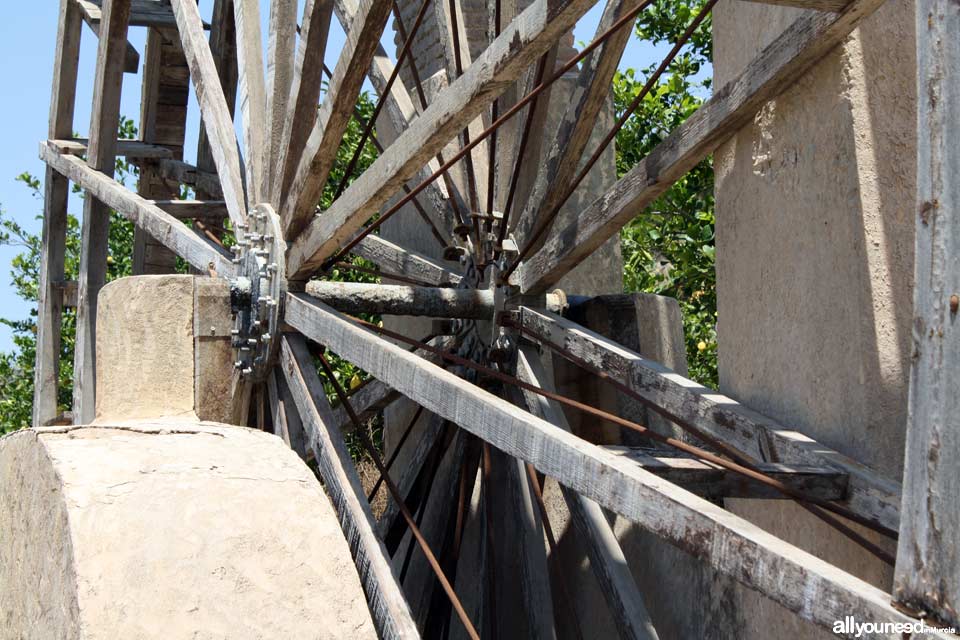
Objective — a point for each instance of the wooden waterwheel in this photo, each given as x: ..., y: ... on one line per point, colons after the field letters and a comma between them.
x: 266, y: 154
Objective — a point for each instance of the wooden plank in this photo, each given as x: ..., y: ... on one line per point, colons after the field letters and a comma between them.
x: 95, y: 228
x: 814, y: 590
x: 403, y: 262
x: 253, y: 95
x: 835, y: 6
x: 286, y: 420
x: 756, y: 436
x: 305, y: 92
x: 520, y: 44
x: 387, y: 605
x: 208, y: 211
x: 131, y: 63
x: 54, y: 233
x: 355, y: 298
x: 223, y: 48
x: 185, y: 173
x: 213, y: 108
x: 607, y: 560
x: 143, y: 13
x: 281, y: 55
x: 320, y: 151
x: 129, y: 149
x: 561, y: 164
x: 927, y: 576
x: 162, y: 226
x: 732, y: 106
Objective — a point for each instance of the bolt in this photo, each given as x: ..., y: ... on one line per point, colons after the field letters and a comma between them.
x: 265, y: 337
x: 235, y: 332
x: 247, y: 371
x: 252, y: 341
x: 954, y: 304
x: 213, y: 331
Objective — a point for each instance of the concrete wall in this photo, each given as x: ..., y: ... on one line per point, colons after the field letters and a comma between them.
x: 815, y: 263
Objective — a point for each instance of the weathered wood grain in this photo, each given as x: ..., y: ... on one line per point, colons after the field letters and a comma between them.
x: 252, y: 95
x: 607, y: 559
x: 355, y: 298
x: 387, y: 605
x: 404, y: 262
x: 754, y: 435
x: 732, y: 106
x: 143, y: 13
x: 286, y: 419
x: 520, y: 44
x: 95, y: 228
x: 54, y: 233
x: 223, y: 48
x: 927, y: 576
x: 162, y: 226
x: 817, y: 5
x: 213, y: 108
x: 129, y: 149
x: 560, y: 165
x: 281, y: 57
x: 304, y: 93
x: 811, y: 588
x: 321, y: 147
x: 208, y: 210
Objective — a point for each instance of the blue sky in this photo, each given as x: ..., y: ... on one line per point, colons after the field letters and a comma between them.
x: 27, y: 36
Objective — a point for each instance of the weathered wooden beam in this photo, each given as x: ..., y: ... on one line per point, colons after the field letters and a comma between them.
x: 223, y: 48
x: 607, y: 559
x: 403, y: 262
x: 206, y: 210
x: 130, y: 149
x: 131, y: 61
x: 396, y: 300
x: 162, y: 226
x: 305, y: 92
x: 754, y: 435
x: 281, y: 62
x: 54, y: 234
x: 320, y: 150
x: 519, y: 45
x: 253, y: 95
x: 814, y: 590
x: 283, y: 411
x: 927, y: 576
x: 560, y: 165
x: 68, y: 292
x: 213, y: 108
x: 95, y: 228
x: 835, y: 6
x: 387, y: 605
x: 185, y: 173
x: 143, y: 13
x: 732, y: 106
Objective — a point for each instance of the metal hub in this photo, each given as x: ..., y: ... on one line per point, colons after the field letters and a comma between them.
x: 257, y: 292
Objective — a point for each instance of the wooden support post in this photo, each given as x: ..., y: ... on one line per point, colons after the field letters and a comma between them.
x: 101, y: 156
x: 54, y: 235
x: 927, y: 577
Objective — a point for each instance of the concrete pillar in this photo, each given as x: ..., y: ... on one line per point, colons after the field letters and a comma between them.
x: 815, y: 261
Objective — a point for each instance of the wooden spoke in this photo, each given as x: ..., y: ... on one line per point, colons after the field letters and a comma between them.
x: 54, y: 234
x: 394, y: 259
x: 304, y: 93
x: 390, y: 611
x: 731, y: 545
x: 95, y: 230
x: 253, y: 97
x: 213, y: 107
x: 606, y: 557
x: 155, y: 221
x: 754, y: 435
x: 786, y: 59
x: 562, y: 161
x: 281, y: 57
x: 363, y: 36
x: 520, y: 44
x: 223, y: 47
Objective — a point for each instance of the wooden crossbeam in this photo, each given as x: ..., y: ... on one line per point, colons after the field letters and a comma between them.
x: 387, y: 604
x: 92, y: 16
x: 130, y: 149
x: 143, y: 13
x: 395, y: 259
x: 804, y: 584
x: 754, y: 435
x: 356, y: 298
x: 95, y: 228
x: 186, y: 173
x: 54, y: 234
x: 927, y: 575
x: 560, y: 165
x: 607, y: 559
x: 732, y: 106
x: 213, y: 107
x: 206, y: 210
x: 252, y: 95
x: 518, y: 46
x: 304, y: 93
x: 817, y: 5
x: 320, y: 151
x: 152, y: 219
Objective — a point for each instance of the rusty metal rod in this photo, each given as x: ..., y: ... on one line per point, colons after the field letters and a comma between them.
x: 396, y: 452
x: 547, y: 220
x: 491, y: 582
x: 536, y: 91
x: 395, y: 491
x: 697, y: 452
